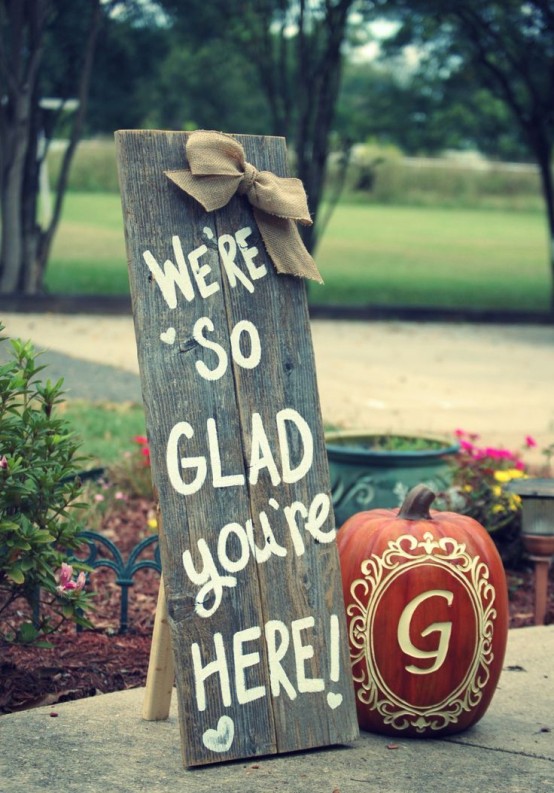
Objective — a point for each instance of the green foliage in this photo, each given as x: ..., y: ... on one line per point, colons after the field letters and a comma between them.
x: 105, y: 429
x: 165, y: 72
x: 480, y: 488
x: 38, y: 492
x: 386, y: 443
x: 379, y: 174
x: 128, y: 61
x: 425, y: 112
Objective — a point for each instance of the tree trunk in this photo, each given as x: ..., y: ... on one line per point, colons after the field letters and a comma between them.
x: 545, y: 169
x: 30, y: 281
x: 25, y: 247
x: 15, y: 152
x: 20, y: 58
x: 318, y: 100
x: 46, y: 237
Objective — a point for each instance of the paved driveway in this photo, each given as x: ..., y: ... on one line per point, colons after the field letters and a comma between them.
x: 401, y: 376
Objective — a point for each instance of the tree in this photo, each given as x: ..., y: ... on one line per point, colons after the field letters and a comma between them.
x: 33, y: 32
x: 127, y: 67
x: 297, y: 49
x: 424, y: 114
x: 190, y: 92
x: 505, y: 46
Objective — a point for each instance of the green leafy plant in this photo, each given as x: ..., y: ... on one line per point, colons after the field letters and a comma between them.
x: 39, y: 488
x: 479, y: 488
x: 388, y: 442
x: 479, y: 478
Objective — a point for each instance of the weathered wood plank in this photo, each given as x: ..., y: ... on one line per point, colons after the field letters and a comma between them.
x: 229, y: 388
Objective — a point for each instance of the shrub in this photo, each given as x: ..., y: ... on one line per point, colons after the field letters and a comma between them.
x: 38, y: 491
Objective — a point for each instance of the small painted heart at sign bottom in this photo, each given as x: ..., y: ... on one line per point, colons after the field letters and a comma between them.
x: 220, y: 739
x: 168, y: 335
x: 334, y: 700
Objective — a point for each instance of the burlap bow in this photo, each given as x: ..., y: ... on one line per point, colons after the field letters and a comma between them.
x: 218, y: 170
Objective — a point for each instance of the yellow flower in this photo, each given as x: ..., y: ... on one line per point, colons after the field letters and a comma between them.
x: 514, y: 501
x: 496, y: 508
x: 152, y: 523
x: 496, y: 490
x: 508, y: 475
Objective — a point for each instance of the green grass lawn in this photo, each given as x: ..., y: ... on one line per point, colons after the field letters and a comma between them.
x: 88, y: 256
x: 369, y: 254
x: 106, y: 430
x: 436, y: 257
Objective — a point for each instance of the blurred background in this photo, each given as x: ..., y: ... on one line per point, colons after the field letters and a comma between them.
x: 422, y: 131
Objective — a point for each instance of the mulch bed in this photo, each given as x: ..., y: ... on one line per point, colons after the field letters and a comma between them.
x: 100, y: 661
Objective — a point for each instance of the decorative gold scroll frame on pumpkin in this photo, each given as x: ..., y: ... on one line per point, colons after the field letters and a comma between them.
x: 379, y: 572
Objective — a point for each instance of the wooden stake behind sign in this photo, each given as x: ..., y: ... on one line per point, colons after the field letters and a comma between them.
x: 250, y: 563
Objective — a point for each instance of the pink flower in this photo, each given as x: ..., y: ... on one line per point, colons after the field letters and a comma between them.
x: 98, y: 497
x: 3, y: 462
x: 141, y: 440
x: 472, y: 436
x: 530, y: 442
x: 81, y: 581
x: 65, y: 580
x: 120, y: 496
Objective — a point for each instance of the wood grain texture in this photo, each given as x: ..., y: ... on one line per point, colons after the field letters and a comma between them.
x: 161, y: 672
x: 299, y: 585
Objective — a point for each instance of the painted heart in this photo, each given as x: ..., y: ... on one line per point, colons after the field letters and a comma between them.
x: 334, y: 700
x: 168, y: 336
x: 220, y: 739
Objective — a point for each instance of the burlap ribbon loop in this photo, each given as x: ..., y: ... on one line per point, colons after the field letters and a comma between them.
x: 219, y: 170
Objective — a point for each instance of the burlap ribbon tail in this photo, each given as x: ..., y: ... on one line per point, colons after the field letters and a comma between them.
x: 218, y: 170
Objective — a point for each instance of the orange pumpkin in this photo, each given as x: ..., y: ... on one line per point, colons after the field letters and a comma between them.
x: 427, y: 611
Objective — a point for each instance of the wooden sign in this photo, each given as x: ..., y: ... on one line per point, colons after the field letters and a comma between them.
x: 248, y: 551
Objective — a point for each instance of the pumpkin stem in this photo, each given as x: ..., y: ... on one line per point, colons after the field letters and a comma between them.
x: 416, y: 504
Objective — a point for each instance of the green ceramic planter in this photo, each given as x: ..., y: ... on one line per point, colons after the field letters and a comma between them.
x: 367, y: 475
